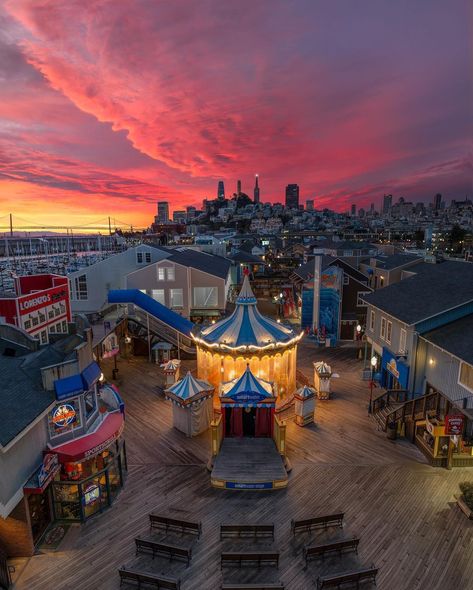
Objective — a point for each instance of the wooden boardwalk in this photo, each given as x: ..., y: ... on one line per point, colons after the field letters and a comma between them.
x: 401, y: 508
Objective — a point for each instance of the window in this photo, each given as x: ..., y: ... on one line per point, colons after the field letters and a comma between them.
x: 34, y: 319
x: 57, y: 311
x: 57, y: 328
x: 44, y: 337
x: 161, y: 274
x: 382, y: 331
x: 359, y: 300
x: 389, y: 331
x: 81, y: 288
x: 158, y: 295
x: 466, y: 376
x: 90, y: 402
x: 346, y: 279
x: 402, y: 340
x: 348, y: 253
x: 28, y: 325
x: 64, y: 326
x: 62, y: 307
x: 177, y: 298
x: 41, y: 317
x: 51, y: 314
x: 139, y: 257
x: 148, y: 257
x: 372, y: 317
x: 205, y: 297
x: 171, y: 272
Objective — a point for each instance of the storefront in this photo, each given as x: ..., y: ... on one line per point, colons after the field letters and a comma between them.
x: 394, y: 371
x: 93, y: 470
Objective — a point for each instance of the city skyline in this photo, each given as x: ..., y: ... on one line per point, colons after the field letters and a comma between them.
x: 296, y: 94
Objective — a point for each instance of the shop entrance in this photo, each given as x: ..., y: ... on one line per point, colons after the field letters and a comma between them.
x: 249, y: 419
x: 39, y: 506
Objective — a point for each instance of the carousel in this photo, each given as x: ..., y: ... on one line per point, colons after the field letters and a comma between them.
x: 248, y: 339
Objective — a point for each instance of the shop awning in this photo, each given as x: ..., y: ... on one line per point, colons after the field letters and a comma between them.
x: 68, y: 387
x: 91, y: 374
x: 94, y: 443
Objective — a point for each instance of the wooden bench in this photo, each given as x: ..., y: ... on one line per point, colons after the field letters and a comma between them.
x: 342, y: 545
x: 249, y: 557
x: 145, y: 578
x: 261, y: 586
x: 246, y: 530
x: 352, y: 577
x: 163, y: 522
x: 317, y: 522
x: 153, y: 547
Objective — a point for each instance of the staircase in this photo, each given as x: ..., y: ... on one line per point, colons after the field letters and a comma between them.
x: 395, y: 406
x: 161, y: 331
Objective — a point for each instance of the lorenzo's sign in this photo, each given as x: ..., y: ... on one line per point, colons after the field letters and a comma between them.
x: 454, y: 424
x: 40, y: 300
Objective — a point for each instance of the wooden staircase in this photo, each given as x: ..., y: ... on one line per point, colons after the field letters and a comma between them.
x: 397, y: 405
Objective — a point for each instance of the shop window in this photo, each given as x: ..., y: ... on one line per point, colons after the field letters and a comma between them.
x: 177, y: 298
x: 64, y: 418
x: 389, y: 331
x: 372, y: 318
x: 81, y: 287
x: 161, y: 274
x: 66, y: 501
x: 158, y: 295
x: 466, y: 376
x: 147, y: 257
x: 402, y: 340
x: 382, y: 331
x: 90, y: 402
x: 139, y: 257
x: 205, y: 297
x: 28, y: 325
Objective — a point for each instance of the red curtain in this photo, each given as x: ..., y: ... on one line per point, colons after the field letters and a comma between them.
x: 263, y: 425
x: 237, y: 422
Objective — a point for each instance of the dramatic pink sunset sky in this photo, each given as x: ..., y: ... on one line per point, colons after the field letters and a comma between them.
x: 109, y: 105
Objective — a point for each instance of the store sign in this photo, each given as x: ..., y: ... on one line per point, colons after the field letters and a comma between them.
x: 106, y: 443
x: 64, y: 415
x: 392, y: 368
x: 248, y: 396
x: 48, y: 469
x: 454, y: 424
x: 91, y: 494
x: 35, y: 302
x: 429, y: 426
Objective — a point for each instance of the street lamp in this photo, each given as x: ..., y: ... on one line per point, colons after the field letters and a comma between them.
x: 373, y: 362
x: 358, y: 339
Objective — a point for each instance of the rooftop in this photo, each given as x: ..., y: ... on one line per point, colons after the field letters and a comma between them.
x: 455, y: 338
x: 437, y: 288
x: 396, y: 260
x: 209, y: 263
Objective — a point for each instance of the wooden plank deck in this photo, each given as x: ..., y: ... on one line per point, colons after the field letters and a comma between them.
x: 401, y: 508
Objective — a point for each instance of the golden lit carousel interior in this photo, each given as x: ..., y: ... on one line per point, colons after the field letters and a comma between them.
x: 247, y: 338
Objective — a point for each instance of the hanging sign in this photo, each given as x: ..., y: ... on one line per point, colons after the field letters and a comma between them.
x: 454, y: 424
x: 64, y: 415
x: 48, y: 468
x: 91, y: 494
x: 392, y: 368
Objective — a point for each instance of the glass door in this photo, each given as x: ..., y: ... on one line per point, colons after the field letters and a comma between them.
x: 95, y: 495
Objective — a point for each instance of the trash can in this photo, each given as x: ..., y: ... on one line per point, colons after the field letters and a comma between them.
x: 391, y: 431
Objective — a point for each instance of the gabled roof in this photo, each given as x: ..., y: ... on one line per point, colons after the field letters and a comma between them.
x: 396, y: 260
x: 455, y: 338
x: 435, y: 290
x: 209, y: 263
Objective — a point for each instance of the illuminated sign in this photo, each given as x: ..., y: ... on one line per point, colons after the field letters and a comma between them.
x: 234, y: 485
x: 48, y: 469
x: 64, y: 415
x: 91, y: 494
x: 392, y: 368
x: 454, y: 424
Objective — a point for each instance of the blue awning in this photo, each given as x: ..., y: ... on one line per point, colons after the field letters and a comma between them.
x: 91, y: 374
x: 68, y: 387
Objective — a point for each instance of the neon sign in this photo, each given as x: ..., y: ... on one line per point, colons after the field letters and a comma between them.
x: 64, y: 415
x: 91, y: 494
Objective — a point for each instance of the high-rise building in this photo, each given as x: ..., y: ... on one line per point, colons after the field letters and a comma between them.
x: 309, y: 204
x: 238, y: 188
x: 163, y: 212
x: 179, y: 216
x: 353, y: 210
x: 191, y: 212
x: 437, y: 202
x: 256, y: 190
x: 220, y: 190
x: 292, y: 196
x: 387, y: 204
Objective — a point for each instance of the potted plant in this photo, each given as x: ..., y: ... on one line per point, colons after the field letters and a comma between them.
x: 465, y: 501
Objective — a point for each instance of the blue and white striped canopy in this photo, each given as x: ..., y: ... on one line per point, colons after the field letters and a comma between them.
x: 189, y: 387
x: 246, y: 326
x: 247, y: 390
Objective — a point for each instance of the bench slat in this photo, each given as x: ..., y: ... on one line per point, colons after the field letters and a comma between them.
x: 318, y: 522
x: 255, y: 530
x: 315, y: 550
x: 261, y: 586
x: 163, y: 548
x: 148, y: 578
x: 259, y: 557
x: 156, y: 520
x: 334, y: 580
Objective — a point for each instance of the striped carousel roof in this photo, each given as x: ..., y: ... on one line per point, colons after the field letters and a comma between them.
x: 189, y: 387
x: 246, y: 326
x: 247, y: 384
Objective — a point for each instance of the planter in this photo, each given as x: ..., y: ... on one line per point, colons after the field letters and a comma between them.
x: 463, y: 507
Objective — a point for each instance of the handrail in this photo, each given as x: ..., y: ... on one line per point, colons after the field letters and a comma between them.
x: 279, y: 435
x: 216, y: 427
x: 408, y: 409
x: 163, y: 331
x: 389, y: 396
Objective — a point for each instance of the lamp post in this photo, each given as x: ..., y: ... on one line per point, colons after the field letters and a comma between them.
x: 373, y: 362
x: 358, y: 340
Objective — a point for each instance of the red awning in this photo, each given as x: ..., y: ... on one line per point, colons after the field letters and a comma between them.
x: 92, y: 444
